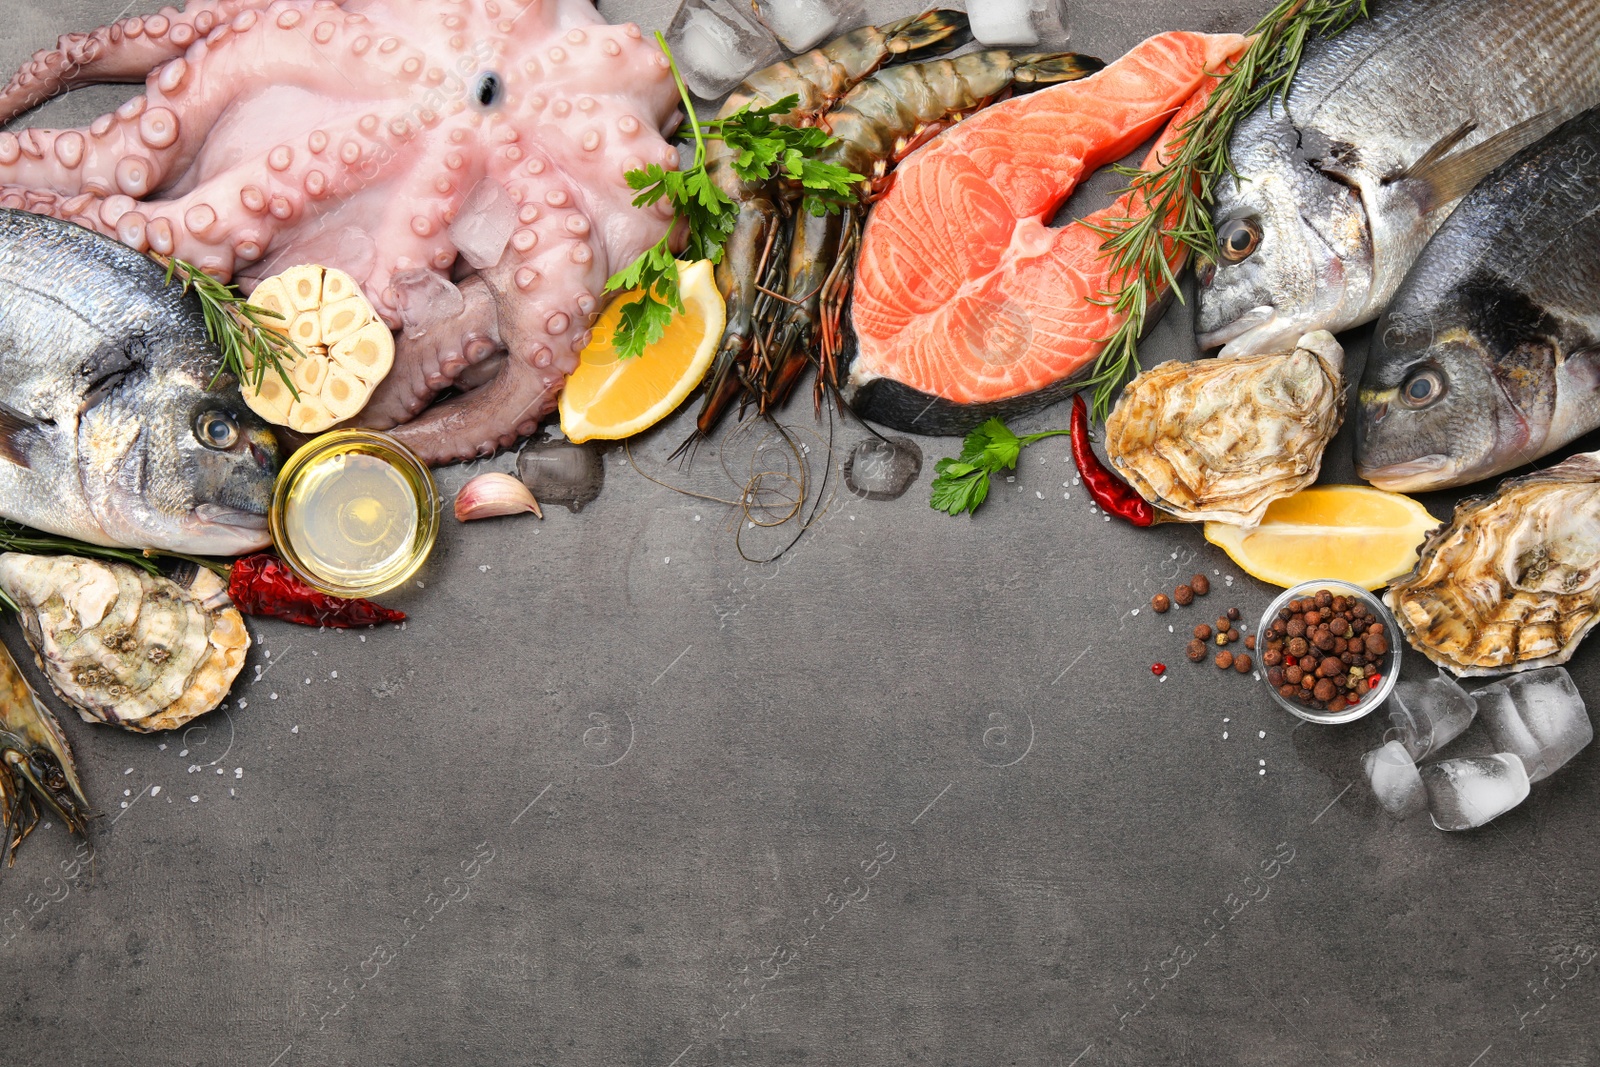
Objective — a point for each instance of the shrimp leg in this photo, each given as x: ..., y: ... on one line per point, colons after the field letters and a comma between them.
x: 37, y: 763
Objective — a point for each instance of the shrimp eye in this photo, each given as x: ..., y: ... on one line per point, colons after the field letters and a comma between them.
x: 486, y: 90
x: 1422, y: 388
x: 216, y: 429
x: 1239, y: 238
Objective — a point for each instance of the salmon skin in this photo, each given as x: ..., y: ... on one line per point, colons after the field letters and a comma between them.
x: 967, y: 303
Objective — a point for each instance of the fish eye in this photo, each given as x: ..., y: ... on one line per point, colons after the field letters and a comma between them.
x: 216, y: 429
x: 486, y: 90
x: 1422, y: 388
x: 1238, y: 239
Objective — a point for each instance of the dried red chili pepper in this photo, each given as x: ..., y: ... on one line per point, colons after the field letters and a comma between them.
x: 264, y: 585
x: 1113, y: 494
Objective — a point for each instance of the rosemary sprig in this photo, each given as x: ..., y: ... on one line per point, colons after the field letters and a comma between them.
x: 1184, y: 188
x: 237, y: 327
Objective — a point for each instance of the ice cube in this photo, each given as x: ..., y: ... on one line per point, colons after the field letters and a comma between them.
x: 1468, y: 792
x: 1395, y: 781
x: 559, y: 472
x: 483, y: 225
x: 1538, y: 715
x: 883, y: 469
x: 1030, y: 23
x: 802, y: 24
x: 426, y: 298
x: 717, y: 46
x: 1429, y: 713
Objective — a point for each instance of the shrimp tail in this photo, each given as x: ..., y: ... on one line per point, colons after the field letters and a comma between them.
x: 932, y: 33
x: 1049, y: 68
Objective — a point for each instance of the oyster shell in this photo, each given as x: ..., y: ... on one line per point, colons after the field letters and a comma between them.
x: 125, y: 647
x: 1217, y: 440
x: 1512, y: 582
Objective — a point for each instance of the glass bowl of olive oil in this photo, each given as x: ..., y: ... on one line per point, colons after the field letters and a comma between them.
x: 354, y: 513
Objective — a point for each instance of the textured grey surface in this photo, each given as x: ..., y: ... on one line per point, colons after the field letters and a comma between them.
x: 683, y: 764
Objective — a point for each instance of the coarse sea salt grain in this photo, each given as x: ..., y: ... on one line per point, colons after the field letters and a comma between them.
x: 155, y: 790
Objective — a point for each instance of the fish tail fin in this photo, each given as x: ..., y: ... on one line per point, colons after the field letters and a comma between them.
x: 1446, y: 175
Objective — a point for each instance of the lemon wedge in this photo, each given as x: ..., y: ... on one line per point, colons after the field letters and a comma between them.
x: 1353, y: 533
x: 608, y: 398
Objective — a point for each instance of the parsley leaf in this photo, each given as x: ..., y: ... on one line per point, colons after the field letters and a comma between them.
x: 763, y: 149
x: 961, y: 483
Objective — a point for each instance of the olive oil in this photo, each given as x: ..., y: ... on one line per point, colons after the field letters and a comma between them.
x: 355, y: 514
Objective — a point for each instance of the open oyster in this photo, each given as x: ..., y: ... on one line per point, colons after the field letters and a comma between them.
x: 1217, y: 440
x: 125, y: 647
x: 1512, y: 582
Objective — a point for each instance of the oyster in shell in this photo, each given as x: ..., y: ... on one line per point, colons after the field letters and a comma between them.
x: 1217, y: 440
x: 125, y: 647
x: 1512, y: 582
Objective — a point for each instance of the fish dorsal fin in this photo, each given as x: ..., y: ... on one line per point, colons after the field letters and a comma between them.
x: 15, y: 431
x: 1445, y: 175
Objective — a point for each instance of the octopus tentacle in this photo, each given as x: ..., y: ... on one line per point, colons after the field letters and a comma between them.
x: 544, y: 286
x: 125, y: 51
x: 427, y: 363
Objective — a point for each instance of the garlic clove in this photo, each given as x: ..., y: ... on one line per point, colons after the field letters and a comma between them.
x: 368, y: 353
x: 272, y: 296
x: 304, y: 286
x: 491, y: 495
x: 343, y: 393
x: 338, y: 321
x: 337, y: 286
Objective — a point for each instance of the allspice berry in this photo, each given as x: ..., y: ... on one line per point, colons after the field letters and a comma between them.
x: 1224, y: 659
x: 1200, y: 584
x: 1160, y: 604
x: 1196, y: 650
x: 1183, y: 595
x: 1203, y: 632
x: 1242, y: 664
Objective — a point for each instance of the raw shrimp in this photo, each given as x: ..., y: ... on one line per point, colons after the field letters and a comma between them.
x: 819, y: 78
x: 38, y: 764
x: 875, y: 125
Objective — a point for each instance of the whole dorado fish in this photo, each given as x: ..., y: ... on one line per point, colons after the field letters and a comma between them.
x: 1386, y: 126
x: 109, y: 430
x: 1489, y: 357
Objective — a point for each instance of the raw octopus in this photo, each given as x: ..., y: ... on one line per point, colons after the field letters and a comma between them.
x: 383, y: 138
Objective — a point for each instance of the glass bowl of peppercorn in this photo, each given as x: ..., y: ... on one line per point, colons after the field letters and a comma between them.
x: 1328, y: 651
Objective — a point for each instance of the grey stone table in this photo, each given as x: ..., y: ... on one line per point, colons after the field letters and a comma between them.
x: 616, y: 797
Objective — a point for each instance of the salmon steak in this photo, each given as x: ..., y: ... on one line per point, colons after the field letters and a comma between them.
x: 967, y: 303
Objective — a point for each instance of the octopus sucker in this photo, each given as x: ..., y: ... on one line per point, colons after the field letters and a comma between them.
x: 381, y: 128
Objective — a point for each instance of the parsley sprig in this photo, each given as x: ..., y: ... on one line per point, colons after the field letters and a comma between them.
x: 763, y: 149
x: 961, y: 483
x: 1177, y: 196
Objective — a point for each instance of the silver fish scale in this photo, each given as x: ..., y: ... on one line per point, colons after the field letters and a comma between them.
x: 1536, y: 228
x: 1366, y: 87
x: 69, y: 302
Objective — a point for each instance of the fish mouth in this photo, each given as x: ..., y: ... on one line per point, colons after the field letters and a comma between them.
x: 222, y: 515
x: 1425, y: 472
x: 1259, y: 318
